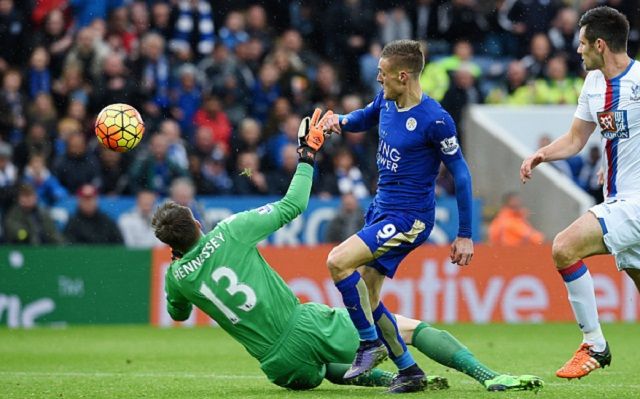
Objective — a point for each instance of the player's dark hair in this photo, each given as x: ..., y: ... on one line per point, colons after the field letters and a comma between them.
x: 608, y: 24
x: 174, y: 225
x: 405, y: 54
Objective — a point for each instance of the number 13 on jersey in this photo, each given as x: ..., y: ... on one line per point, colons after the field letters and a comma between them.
x: 234, y: 288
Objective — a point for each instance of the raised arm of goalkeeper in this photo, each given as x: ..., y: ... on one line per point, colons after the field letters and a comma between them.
x: 255, y: 225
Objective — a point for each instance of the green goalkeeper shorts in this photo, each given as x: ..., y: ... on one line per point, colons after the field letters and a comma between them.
x: 317, y: 335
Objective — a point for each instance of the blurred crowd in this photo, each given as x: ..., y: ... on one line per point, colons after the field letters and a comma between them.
x: 222, y: 85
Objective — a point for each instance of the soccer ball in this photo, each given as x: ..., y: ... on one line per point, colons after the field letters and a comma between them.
x: 119, y: 127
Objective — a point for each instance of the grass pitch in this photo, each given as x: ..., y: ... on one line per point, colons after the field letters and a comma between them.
x: 146, y: 362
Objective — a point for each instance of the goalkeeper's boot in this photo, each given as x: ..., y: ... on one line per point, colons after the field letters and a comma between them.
x: 506, y: 382
x: 369, y: 355
x: 411, y: 379
x: 584, y: 361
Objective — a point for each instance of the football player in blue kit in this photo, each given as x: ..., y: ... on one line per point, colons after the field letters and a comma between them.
x: 415, y: 135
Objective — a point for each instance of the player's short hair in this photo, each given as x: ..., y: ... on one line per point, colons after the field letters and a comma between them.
x: 405, y: 54
x: 608, y: 24
x: 174, y: 225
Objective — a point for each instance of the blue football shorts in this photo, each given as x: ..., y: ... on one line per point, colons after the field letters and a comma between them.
x: 392, y: 234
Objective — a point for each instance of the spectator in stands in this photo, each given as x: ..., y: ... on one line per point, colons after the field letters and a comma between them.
x: 228, y: 76
x: 12, y: 107
x: 516, y: 90
x: 530, y: 17
x: 89, y: 225
x: 8, y: 176
x: 346, y: 177
x: 135, y: 225
x: 35, y: 141
x: 233, y: 32
x: 26, y: 223
x: 210, y: 174
x: 78, y: 165
x: 186, y: 99
x: 212, y: 115
x: 536, y: 61
x: 183, y: 192
x: 113, y: 178
x: 563, y: 37
x: 511, y: 226
x: 39, y: 76
x: 393, y: 24
x: 193, y: 31
x: 288, y: 134
x: 155, y: 171
x: 264, y: 92
x: 13, y: 30
x: 42, y: 110
x: 292, y: 41
x: 462, y: 92
x: 591, y: 175
x: 114, y: 84
x: 327, y: 85
x: 368, y: 64
x: 71, y: 86
x: 248, y: 178
x: 249, y: 138
x: 348, y: 221
x: 257, y: 25
x: 461, y: 20
x: 55, y: 38
x: 280, y: 178
x: 89, y: 52
x: 347, y: 27
x: 154, y: 74
x: 177, y: 151
x: 161, y: 19
x: 434, y: 79
x: 46, y: 185
x: 558, y: 88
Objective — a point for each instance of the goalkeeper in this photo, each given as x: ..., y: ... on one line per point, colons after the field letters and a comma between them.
x: 297, y: 345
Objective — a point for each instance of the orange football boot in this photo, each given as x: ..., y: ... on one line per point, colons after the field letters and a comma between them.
x: 584, y: 361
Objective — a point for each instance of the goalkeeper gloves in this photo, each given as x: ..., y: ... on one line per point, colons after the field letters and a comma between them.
x: 311, y: 135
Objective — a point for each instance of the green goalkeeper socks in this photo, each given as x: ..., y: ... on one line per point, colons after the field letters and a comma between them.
x: 445, y: 349
x: 374, y: 378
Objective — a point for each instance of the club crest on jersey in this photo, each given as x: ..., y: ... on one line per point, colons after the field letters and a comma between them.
x: 613, y: 124
x: 635, y: 93
x: 264, y: 210
x: 411, y: 124
x: 449, y: 146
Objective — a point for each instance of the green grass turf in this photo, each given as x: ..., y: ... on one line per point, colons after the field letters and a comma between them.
x: 146, y: 362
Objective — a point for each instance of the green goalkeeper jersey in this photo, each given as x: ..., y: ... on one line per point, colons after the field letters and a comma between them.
x: 226, y: 277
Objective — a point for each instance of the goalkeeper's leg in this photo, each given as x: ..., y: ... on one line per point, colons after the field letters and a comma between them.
x: 444, y: 348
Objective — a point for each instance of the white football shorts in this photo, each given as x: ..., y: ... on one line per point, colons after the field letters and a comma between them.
x: 620, y: 221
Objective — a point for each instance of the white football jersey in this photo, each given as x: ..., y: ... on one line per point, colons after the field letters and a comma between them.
x: 614, y: 106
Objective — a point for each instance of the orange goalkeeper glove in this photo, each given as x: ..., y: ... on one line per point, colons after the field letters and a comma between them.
x: 311, y: 135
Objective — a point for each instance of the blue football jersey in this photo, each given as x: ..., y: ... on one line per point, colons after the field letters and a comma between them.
x: 412, y: 143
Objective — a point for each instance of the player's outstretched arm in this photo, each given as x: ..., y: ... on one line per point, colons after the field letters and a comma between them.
x: 356, y: 121
x: 565, y: 146
x: 462, y: 246
x: 253, y: 226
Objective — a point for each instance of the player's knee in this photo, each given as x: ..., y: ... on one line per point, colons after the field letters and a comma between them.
x: 336, y: 264
x: 562, y: 251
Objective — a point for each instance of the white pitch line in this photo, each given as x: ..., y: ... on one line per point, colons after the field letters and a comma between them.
x: 128, y: 374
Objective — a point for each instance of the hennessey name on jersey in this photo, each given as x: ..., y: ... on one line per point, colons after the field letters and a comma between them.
x: 209, y: 248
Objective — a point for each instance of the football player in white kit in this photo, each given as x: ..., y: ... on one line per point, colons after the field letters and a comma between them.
x: 609, y: 104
